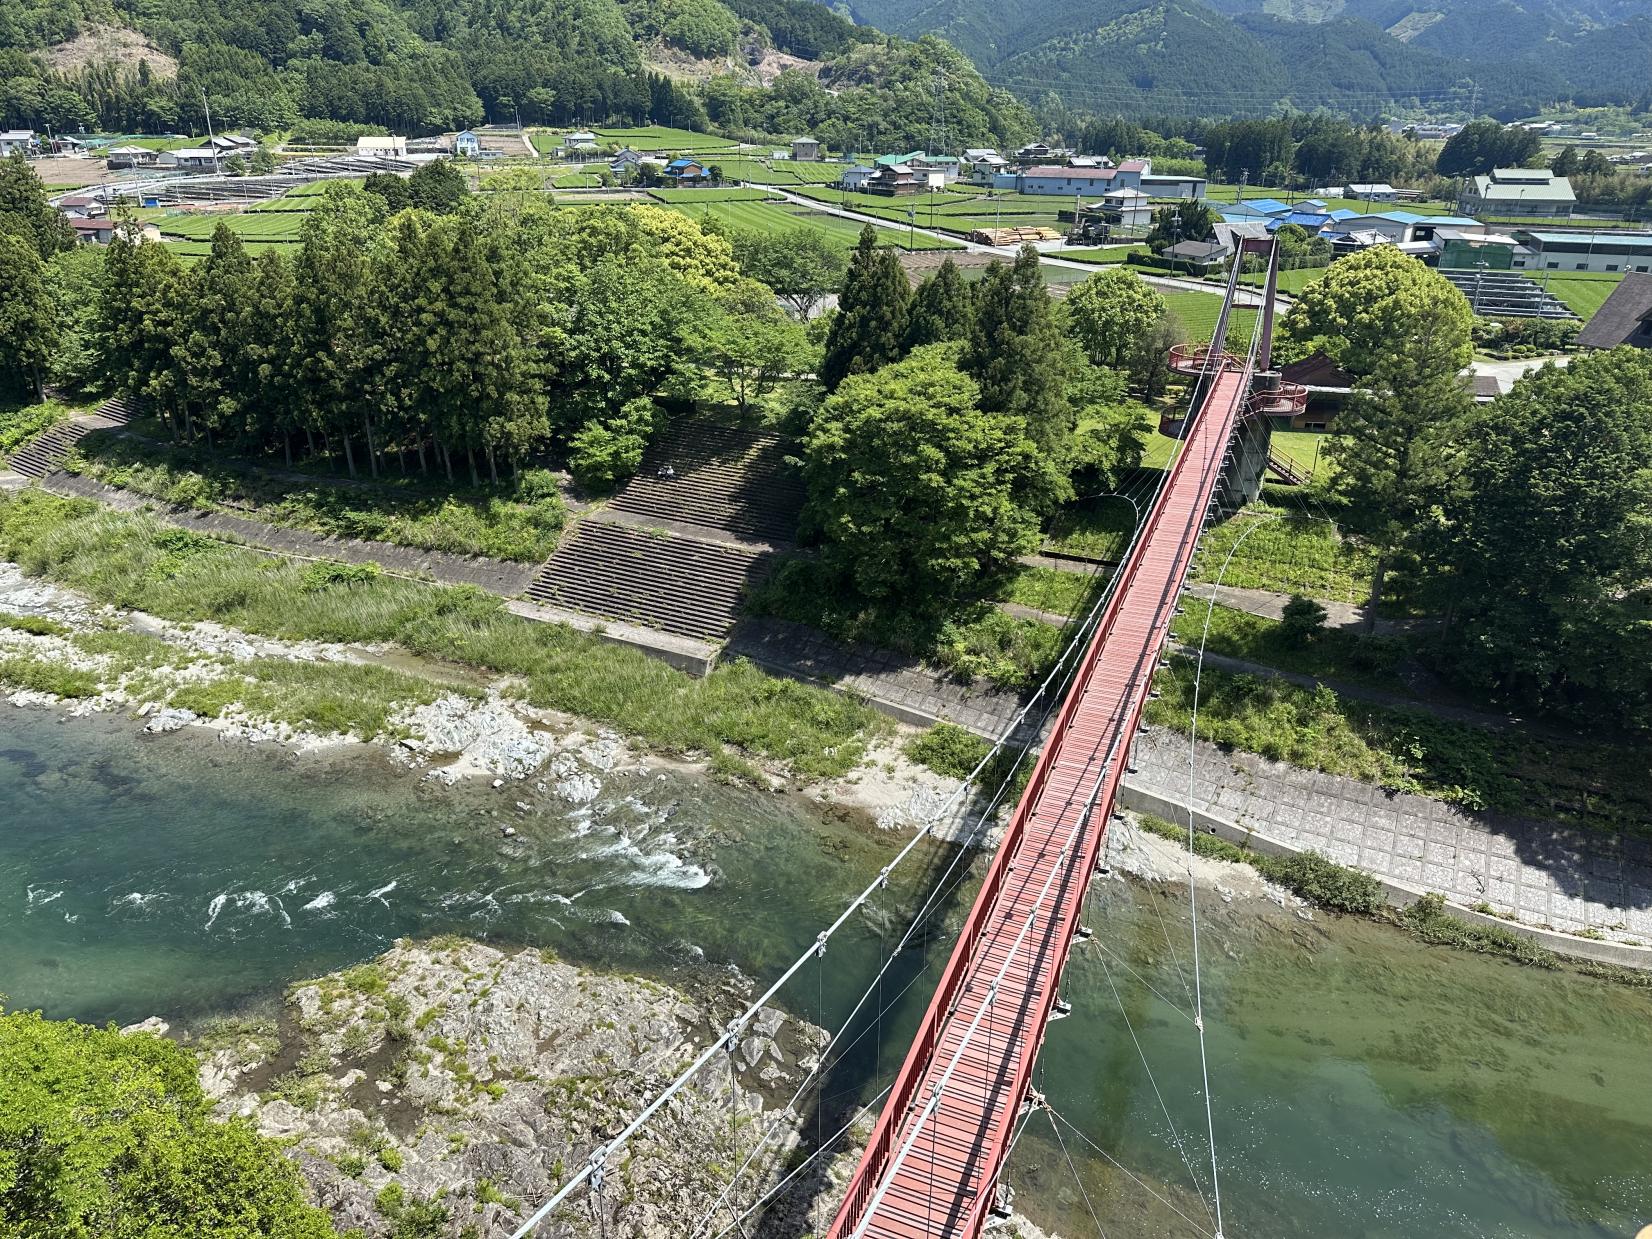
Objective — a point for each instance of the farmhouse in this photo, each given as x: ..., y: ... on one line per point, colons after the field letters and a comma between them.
x: 382, y: 148
x: 806, y: 149
x: 120, y: 157
x: 688, y: 172
x: 93, y: 231
x: 1197, y: 257
x: 194, y: 159
x: 856, y: 177
x: 14, y: 141
x: 1624, y: 318
x: 894, y: 180
x: 1584, y: 251
x: 1378, y: 191
x: 1519, y: 191
x: 1125, y: 208
x: 626, y: 163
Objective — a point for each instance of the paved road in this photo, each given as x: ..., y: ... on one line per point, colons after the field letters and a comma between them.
x: 1507, y: 372
x: 1165, y: 282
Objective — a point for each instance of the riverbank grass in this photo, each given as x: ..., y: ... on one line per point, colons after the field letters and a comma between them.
x: 137, y: 563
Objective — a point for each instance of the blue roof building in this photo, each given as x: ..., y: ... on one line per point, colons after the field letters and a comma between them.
x: 1267, y: 206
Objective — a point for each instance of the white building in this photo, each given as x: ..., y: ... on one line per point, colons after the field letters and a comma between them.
x: 467, y: 145
x: 382, y: 148
x: 1379, y: 191
x: 855, y: 178
x: 1536, y: 192
x: 13, y: 141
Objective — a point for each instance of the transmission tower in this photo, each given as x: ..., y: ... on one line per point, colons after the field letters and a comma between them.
x: 940, y: 143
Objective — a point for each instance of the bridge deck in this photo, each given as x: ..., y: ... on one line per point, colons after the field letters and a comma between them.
x: 931, y: 1170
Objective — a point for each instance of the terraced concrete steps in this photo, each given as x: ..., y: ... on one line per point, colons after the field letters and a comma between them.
x: 724, y: 479
x: 642, y: 576
x: 45, y: 454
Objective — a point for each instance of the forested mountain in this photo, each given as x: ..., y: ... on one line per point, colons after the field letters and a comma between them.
x: 416, y: 66
x: 1219, y: 57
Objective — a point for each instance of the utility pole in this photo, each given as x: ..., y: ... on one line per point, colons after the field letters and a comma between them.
x: 211, y: 141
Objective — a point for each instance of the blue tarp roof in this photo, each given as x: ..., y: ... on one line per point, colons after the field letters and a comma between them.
x: 1268, y: 206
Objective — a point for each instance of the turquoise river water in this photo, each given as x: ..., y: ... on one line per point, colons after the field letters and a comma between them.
x: 1361, y: 1084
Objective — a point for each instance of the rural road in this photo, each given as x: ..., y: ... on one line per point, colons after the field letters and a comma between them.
x: 1168, y: 283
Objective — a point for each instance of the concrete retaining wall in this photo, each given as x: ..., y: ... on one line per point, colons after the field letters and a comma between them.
x: 1399, y: 894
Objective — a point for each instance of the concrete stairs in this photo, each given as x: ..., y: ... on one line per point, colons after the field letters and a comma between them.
x: 679, y: 546
x: 735, y: 481
x: 680, y: 585
x: 46, y: 453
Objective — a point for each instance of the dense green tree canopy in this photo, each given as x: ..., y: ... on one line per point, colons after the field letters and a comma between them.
x: 1112, y: 315
x: 943, y: 308
x: 1482, y: 145
x: 912, y: 488
x: 29, y: 321
x: 1552, y: 529
x: 1364, y: 308
x: 25, y: 212
x: 106, y: 1135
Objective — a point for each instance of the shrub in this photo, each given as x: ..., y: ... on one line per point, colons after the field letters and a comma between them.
x: 947, y: 749
x: 1324, y: 882
x: 326, y: 574
x: 35, y: 625
x: 1302, y: 620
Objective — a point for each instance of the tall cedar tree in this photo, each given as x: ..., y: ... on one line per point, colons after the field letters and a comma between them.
x: 942, y: 309
x: 28, y: 314
x: 1018, y: 354
x: 1553, y: 541
x: 324, y: 367
x: 216, y: 292
x: 25, y: 212
x: 871, y: 317
x: 136, y: 323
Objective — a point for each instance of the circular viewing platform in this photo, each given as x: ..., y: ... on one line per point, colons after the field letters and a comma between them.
x: 1194, y: 359
x: 1285, y: 400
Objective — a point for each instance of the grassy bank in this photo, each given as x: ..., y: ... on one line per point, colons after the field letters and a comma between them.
x: 1598, y: 787
x: 737, y: 712
x: 520, y: 522
x: 1329, y: 654
x: 1287, y: 551
x: 21, y: 423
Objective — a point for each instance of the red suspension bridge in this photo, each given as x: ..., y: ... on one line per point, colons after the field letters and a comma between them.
x: 933, y: 1164
x: 934, y: 1160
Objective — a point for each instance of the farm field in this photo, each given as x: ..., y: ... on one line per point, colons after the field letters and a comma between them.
x: 1584, y: 292
x: 773, y: 217
x: 194, y: 251
x: 1289, y: 281
x: 873, y: 202
x: 665, y: 138
x: 676, y: 196
x: 1100, y: 255
x: 269, y: 226
x: 1197, y: 314
x: 778, y: 171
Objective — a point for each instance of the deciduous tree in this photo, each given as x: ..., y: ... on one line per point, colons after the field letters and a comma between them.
x: 104, y: 1134
x: 1112, y: 315
x: 912, y: 487
x: 1552, y: 540
x: 1365, y: 306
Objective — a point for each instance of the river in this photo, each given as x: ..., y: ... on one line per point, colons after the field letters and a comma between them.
x: 1361, y: 1084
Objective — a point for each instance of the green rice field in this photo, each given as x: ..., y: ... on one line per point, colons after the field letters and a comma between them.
x: 777, y: 171
x: 1584, y: 292
x: 1101, y: 255
x: 649, y: 138
x: 271, y: 226
x: 773, y: 217
x: 1197, y: 314
x: 676, y: 196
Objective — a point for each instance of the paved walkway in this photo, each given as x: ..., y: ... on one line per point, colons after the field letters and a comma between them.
x: 1538, y: 871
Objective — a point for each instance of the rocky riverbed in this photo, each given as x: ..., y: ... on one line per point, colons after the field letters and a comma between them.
x: 460, y: 1080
